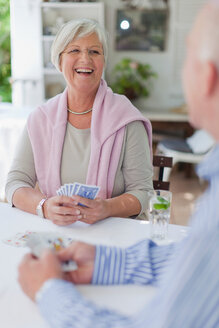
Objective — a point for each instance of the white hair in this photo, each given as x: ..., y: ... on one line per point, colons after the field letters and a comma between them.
x: 75, y: 29
x: 210, y: 33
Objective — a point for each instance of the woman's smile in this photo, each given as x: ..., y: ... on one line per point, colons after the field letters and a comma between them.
x: 84, y: 71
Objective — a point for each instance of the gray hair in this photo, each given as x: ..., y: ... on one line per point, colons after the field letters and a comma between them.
x: 75, y: 29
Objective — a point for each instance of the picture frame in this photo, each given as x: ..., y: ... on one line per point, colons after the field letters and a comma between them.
x: 141, y: 29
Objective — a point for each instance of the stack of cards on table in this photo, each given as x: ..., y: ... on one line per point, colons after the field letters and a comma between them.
x: 20, y: 239
x: 83, y: 190
x: 39, y: 241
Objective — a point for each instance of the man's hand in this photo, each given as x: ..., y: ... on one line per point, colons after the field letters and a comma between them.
x: 84, y: 255
x: 33, y: 272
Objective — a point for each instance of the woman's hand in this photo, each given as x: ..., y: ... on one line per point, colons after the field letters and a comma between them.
x: 61, y: 210
x: 95, y: 210
x: 84, y: 255
x: 33, y: 272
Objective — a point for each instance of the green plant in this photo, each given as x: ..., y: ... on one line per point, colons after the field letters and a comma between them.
x: 5, y: 51
x: 132, y: 78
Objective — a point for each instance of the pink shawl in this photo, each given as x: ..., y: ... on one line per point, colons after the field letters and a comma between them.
x: 47, y: 126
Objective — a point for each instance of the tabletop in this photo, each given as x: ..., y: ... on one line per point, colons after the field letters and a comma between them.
x: 16, y: 310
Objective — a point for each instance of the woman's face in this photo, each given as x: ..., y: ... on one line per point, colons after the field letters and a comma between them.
x: 82, y: 63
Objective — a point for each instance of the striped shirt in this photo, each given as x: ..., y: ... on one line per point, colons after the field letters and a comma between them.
x: 186, y: 274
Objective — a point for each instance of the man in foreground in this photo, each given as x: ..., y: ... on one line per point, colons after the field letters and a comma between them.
x: 186, y: 273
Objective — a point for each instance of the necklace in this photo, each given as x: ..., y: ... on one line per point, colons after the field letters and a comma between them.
x: 76, y: 113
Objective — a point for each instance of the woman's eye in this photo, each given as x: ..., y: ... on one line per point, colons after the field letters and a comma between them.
x: 74, y: 51
x: 94, y: 52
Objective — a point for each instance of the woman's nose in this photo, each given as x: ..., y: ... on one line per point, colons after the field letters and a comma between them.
x: 85, y: 54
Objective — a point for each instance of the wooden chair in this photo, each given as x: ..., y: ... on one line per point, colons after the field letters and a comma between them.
x: 191, y: 150
x: 161, y: 162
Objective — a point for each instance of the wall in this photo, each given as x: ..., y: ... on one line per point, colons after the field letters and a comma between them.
x: 167, y: 88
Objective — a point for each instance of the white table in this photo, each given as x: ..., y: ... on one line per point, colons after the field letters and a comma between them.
x: 16, y: 310
x: 12, y: 121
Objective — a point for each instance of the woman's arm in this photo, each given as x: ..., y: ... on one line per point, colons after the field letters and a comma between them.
x: 22, y: 193
x: 135, y: 166
x: 21, y: 180
x: 133, y: 177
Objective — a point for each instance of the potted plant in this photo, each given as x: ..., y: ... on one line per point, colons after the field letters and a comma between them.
x: 5, y: 51
x: 132, y: 78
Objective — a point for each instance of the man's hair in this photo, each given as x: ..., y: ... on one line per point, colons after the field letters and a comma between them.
x: 75, y: 29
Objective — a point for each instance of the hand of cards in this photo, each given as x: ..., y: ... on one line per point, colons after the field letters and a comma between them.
x: 53, y: 241
x: 39, y: 241
x: 83, y: 190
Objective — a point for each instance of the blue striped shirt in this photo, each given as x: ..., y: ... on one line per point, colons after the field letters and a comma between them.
x: 186, y: 274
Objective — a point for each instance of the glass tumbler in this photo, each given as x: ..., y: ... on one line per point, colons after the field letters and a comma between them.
x: 159, y: 213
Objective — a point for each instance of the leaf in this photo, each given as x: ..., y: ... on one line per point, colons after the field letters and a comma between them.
x: 162, y: 200
x: 159, y: 206
x: 5, y: 51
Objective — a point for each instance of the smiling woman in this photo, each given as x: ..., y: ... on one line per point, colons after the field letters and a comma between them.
x: 86, y: 134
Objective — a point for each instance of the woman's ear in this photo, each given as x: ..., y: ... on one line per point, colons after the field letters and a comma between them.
x: 60, y: 62
x: 210, y: 78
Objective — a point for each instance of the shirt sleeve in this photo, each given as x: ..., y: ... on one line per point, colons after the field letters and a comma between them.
x: 187, y: 297
x: 62, y: 306
x: 22, y: 171
x: 137, y: 164
x: 143, y: 263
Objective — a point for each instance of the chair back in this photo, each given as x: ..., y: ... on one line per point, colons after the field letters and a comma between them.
x: 161, y: 162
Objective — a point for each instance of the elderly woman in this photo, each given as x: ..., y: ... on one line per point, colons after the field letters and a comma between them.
x: 86, y: 134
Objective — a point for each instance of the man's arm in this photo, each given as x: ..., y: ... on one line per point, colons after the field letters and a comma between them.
x: 62, y: 306
x: 143, y: 263
x: 188, y: 296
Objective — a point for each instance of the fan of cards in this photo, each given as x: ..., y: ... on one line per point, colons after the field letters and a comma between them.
x: 39, y: 241
x: 53, y: 241
x: 83, y: 190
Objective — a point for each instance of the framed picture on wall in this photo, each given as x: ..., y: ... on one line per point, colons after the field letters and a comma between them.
x: 141, y: 29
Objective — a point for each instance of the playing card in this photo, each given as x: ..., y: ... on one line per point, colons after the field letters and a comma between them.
x: 87, y: 191
x: 83, y: 190
x: 71, y: 189
x: 53, y: 241
x: 76, y: 186
x: 59, y: 192
x: 66, y: 188
x: 62, y: 188
x: 20, y: 239
x: 69, y: 266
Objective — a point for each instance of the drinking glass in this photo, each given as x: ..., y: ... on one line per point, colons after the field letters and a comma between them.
x: 159, y: 213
